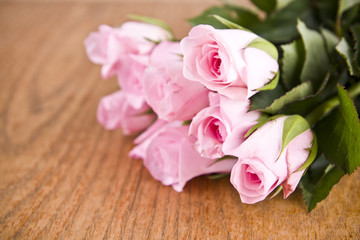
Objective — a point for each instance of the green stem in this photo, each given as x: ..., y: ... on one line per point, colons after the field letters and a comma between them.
x: 338, y: 30
x: 318, y: 113
x: 338, y: 26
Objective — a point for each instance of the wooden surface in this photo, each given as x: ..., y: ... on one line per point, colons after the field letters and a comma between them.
x: 63, y: 176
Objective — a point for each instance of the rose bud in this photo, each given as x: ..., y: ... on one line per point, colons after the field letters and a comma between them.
x: 109, y: 45
x: 227, y: 61
x: 266, y: 162
x: 171, y: 96
x: 170, y: 157
x: 116, y: 111
x: 220, y: 128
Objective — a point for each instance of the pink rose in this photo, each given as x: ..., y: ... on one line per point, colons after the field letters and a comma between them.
x: 221, y: 60
x: 109, y: 45
x: 115, y: 111
x: 171, y: 96
x: 261, y: 168
x: 170, y: 158
x: 220, y: 128
x: 131, y: 78
x: 145, y: 138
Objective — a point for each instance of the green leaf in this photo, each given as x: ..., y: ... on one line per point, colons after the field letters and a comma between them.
x: 228, y: 23
x: 313, y: 152
x: 260, y: 123
x: 267, y: 6
x: 295, y: 94
x: 326, y: 12
x: 355, y: 30
x: 282, y: 3
x: 153, y: 21
x: 350, y: 115
x: 294, y: 125
x: 243, y: 17
x: 277, y: 191
x: 280, y: 27
x: 316, y: 58
x: 317, y: 169
x: 331, y: 40
x: 322, y: 189
x: 350, y: 17
x: 264, y: 98
x: 238, y: 15
x: 307, y: 191
x: 312, y: 176
x: 206, y: 17
x: 347, y: 53
x: 339, y: 134
x: 321, y: 109
x: 301, y: 107
x: 272, y: 84
x: 327, y: 89
x: 292, y: 63
x: 345, y: 5
x: 266, y: 46
x: 314, y: 193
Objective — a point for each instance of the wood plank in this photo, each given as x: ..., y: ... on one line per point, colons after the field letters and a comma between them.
x: 63, y: 176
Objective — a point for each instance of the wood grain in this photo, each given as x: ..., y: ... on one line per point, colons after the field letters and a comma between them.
x: 64, y: 177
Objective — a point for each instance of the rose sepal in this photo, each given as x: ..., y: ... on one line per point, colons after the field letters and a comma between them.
x: 277, y: 191
x: 272, y: 83
x: 294, y: 125
x: 266, y: 46
x: 261, y: 121
x: 228, y: 23
x: 313, y: 153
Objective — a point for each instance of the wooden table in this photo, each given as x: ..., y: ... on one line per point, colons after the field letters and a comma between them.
x: 63, y: 176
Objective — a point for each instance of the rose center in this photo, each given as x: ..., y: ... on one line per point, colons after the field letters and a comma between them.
x: 254, y: 178
x: 251, y: 180
x: 216, y: 64
x: 217, y: 131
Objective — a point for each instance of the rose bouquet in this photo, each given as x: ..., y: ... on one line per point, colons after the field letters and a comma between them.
x: 270, y: 101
